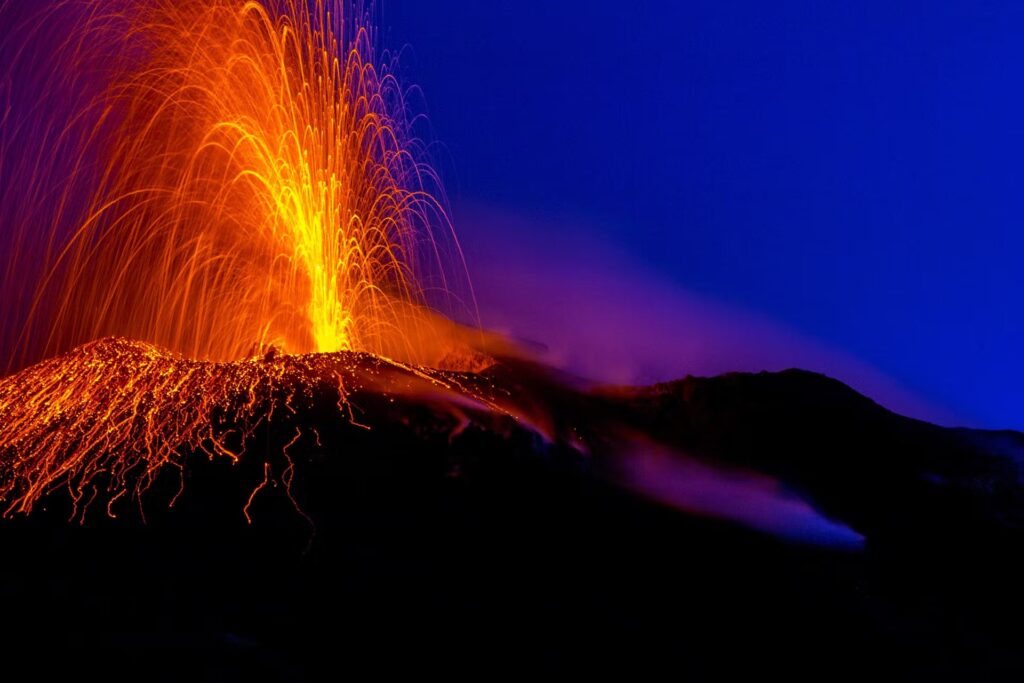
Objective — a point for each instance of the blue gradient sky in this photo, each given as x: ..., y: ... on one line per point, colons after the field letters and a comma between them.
x: 852, y: 171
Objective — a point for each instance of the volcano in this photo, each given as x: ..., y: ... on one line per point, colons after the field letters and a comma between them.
x: 253, y: 426
x: 304, y: 517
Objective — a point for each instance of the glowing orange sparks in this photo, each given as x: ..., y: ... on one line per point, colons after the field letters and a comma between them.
x: 259, y: 185
x: 243, y: 177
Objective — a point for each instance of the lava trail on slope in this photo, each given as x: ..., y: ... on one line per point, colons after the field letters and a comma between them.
x: 285, y: 516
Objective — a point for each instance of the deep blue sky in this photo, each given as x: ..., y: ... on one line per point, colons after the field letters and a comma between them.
x: 852, y: 170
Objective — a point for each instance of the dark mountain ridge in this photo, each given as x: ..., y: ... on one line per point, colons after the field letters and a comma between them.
x: 486, y: 523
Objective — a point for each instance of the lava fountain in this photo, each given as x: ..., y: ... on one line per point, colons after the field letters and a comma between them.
x: 231, y: 175
x: 232, y: 193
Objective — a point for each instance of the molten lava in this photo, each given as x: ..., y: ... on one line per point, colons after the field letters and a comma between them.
x: 234, y: 175
x: 105, y: 420
x: 203, y: 180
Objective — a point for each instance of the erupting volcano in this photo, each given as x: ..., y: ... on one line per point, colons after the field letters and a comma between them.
x: 234, y: 177
x: 247, y: 395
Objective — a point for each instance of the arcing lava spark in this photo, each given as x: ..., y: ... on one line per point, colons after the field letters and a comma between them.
x: 215, y: 176
x: 106, y: 420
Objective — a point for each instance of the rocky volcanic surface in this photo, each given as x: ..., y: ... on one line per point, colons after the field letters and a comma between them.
x: 513, y: 521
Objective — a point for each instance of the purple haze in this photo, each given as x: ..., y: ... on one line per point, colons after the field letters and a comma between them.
x: 595, y: 312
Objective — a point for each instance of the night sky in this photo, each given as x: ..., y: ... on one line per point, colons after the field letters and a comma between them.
x: 847, y: 176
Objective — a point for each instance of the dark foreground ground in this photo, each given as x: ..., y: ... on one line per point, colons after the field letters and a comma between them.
x: 492, y: 550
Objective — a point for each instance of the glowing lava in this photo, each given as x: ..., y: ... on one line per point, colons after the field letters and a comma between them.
x: 203, y: 180
x: 105, y: 420
x: 234, y: 175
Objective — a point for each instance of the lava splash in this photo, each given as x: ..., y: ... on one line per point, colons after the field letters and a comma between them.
x: 213, y: 177
x: 105, y: 420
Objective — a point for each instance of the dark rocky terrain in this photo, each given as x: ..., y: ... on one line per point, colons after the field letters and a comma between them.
x: 432, y: 540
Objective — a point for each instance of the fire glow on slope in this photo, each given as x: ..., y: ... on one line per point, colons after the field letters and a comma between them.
x: 105, y: 420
